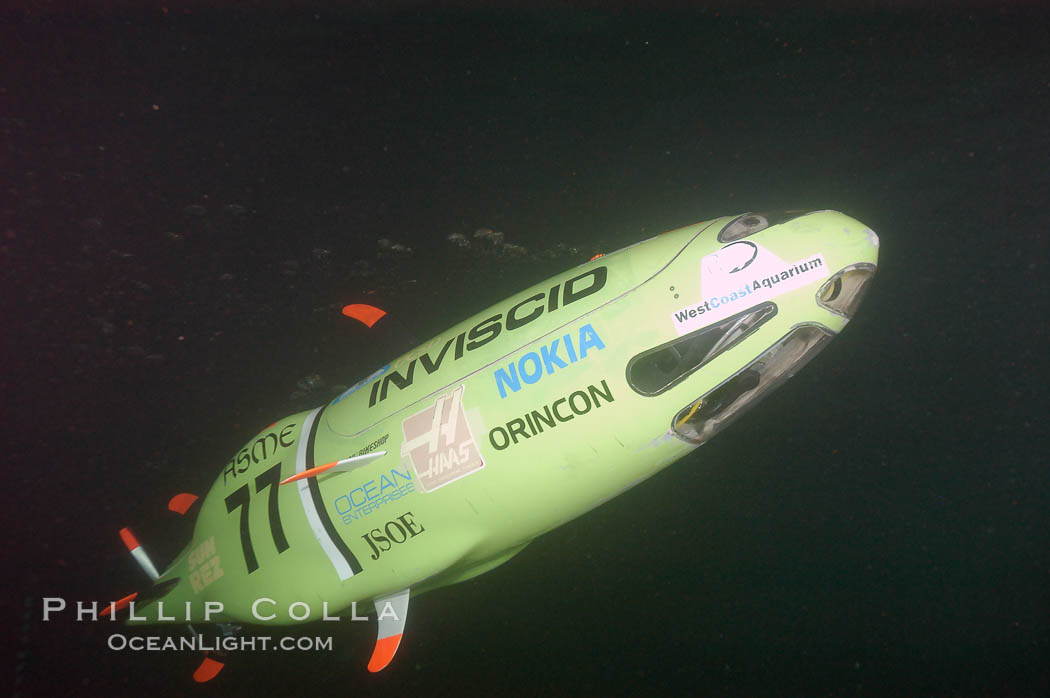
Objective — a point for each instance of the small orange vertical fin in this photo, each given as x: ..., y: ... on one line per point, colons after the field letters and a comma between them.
x: 208, y: 670
x: 385, y: 649
x: 392, y: 610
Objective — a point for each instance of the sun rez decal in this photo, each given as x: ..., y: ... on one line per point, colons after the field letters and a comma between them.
x: 204, y: 565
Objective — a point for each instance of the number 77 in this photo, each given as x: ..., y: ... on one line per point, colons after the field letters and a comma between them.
x: 241, y: 497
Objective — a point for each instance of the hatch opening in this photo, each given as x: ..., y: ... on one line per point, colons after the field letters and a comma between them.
x: 657, y: 369
x: 700, y: 420
x: 843, y: 292
x: 750, y: 223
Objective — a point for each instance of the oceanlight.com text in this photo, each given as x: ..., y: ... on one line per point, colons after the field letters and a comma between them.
x: 154, y: 643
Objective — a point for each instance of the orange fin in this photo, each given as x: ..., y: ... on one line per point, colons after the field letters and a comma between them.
x: 181, y: 502
x: 384, y: 652
x: 312, y: 472
x: 392, y: 610
x: 338, y: 465
x: 208, y: 670
x: 115, y: 606
x: 367, y: 314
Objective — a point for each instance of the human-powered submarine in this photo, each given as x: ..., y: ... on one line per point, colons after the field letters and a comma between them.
x: 447, y: 461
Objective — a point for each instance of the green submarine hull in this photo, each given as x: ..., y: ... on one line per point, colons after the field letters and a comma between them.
x: 515, y: 421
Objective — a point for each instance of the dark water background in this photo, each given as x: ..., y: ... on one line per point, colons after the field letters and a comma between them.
x: 190, y: 196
